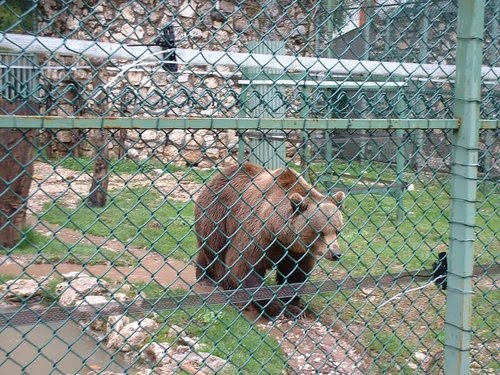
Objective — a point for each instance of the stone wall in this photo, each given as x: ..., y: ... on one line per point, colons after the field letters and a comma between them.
x: 198, y: 91
x: 206, y: 91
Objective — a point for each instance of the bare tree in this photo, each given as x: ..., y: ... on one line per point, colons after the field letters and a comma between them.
x: 98, y: 193
x: 16, y: 174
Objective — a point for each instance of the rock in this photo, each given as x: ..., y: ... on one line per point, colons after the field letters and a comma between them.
x: 226, y: 6
x: 174, y: 332
x: 131, y: 336
x: 183, y: 78
x: 186, y: 10
x: 22, y: 289
x: 94, y: 300
x: 115, y: 325
x: 73, y: 275
x: 134, y: 78
x: 211, y: 82
x: 87, y: 284
x: 419, y: 356
x: 412, y: 365
x: 188, y: 341
x: 69, y: 298
x: 120, y: 297
x: 177, y: 137
x: 149, y: 135
x: 129, y: 14
x: 240, y: 24
x: 204, y: 362
x: 195, y: 33
x: 205, y: 164
x: 154, y: 352
x: 212, y: 153
x: 192, y: 156
x: 139, y: 145
x: 64, y: 136
x: 156, y: 172
x: 77, y: 288
x: 98, y: 325
x: 72, y: 23
x: 170, y: 152
x: 132, y: 153
x: 209, y: 141
x: 130, y: 32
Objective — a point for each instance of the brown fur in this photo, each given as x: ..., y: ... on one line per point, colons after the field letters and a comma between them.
x: 249, y: 220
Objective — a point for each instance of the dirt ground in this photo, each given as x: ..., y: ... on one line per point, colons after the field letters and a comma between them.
x: 69, y: 187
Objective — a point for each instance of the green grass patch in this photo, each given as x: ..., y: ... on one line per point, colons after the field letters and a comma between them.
x: 129, y: 166
x: 47, y: 249
x: 137, y: 217
x: 226, y: 333
x: 414, y: 323
x: 373, y: 238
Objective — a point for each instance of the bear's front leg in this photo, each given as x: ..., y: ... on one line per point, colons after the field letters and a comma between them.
x: 271, y: 308
x: 295, y: 269
x: 247, y: 275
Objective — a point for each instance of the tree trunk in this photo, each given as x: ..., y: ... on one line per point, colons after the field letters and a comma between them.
x: 99, y: 189
x: 16, y: 174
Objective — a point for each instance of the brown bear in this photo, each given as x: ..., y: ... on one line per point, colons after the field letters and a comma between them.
x: 249, y: 220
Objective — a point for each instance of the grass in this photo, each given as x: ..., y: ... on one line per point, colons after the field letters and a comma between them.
x: 222, y: 330
x: 53, y: 250
x: 137, y: 217
x: 128, y: 166
x: 414, y: 323
x: 225, y: 333
x: 373, y: 238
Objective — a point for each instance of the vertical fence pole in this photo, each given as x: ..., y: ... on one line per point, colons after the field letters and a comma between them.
x: 463, y: 186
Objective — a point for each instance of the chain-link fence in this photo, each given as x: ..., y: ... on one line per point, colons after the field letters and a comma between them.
x: 268, y: 187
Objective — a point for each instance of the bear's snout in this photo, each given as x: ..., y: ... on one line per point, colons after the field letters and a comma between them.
x: 333, y: 251
x: 333, y: 255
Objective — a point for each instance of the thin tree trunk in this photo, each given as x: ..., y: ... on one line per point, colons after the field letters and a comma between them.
x: 99, y: 189
x: 16, y: 174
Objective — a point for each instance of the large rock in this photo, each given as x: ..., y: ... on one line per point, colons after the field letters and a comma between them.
x: 154, y: 353
x: 130, y: 336
x: 205, y: 362
x: 192, y: 156
x: 69, y: 298
x: 177, y: 137
x: 149, y: 135
x: 78, y: 288
x: 22, y: 289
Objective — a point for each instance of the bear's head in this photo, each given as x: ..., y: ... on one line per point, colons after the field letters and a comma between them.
x: 316, y: 224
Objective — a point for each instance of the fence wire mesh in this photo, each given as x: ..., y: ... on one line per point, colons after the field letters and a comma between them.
x: 238, y: 187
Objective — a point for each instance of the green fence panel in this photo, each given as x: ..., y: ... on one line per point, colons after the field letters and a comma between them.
x: 249, y: 187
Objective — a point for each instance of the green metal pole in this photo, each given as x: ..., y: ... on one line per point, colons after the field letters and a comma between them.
x: 328, y: 134
x: 401, y: 112
x: 418, y: 136
x: 463, y: 187
x: 304, y: 112
x: 400, y: 165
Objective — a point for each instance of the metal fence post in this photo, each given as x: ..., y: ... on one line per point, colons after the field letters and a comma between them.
x: 463, y: 186
x: 265, y: 101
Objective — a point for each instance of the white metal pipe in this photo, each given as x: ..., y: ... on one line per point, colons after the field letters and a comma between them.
x: 116, y: 51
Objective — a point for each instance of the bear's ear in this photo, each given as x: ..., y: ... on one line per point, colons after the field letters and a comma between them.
x: 298, y: 202
x: 339, y: 197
